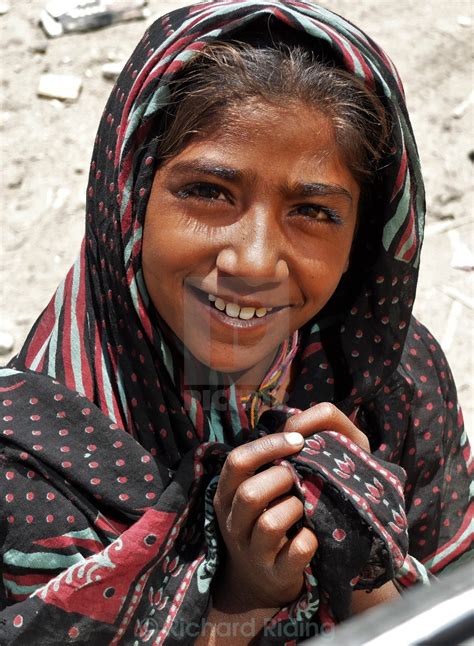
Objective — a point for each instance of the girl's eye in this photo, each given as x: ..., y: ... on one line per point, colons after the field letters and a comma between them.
x: 203, y: 191
x: 318, y: 213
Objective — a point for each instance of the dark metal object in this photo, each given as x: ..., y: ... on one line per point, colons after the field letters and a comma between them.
x: 425, y: 616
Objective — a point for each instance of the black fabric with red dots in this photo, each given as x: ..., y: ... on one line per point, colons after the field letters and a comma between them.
x: 107, y: 530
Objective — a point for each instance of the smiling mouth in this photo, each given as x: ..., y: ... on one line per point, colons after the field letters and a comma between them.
x: 233, y: 310
x: 233, y: 314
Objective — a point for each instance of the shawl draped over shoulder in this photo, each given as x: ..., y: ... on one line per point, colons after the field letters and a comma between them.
x: 108, y: 463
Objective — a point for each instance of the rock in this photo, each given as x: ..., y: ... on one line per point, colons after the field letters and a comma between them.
x: 15, y: 176
x: 56, y: 104
x: 15, y: 41
x: 4, y: 8
x: 111, y: 70
x: 65, y: 87
x: 464, y: 21
x: 462, y: 256
x: 38, y: 46
x: 471, y: 155
x: 113, y: 56
x: 5, y: 118
x: 6, y: 343
x: 441, y: 216
x: 56, y: 198
x: 462, y: 107
x: 23, y: 320
x: 451, y: 194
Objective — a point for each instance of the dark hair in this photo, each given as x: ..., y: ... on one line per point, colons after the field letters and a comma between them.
x: 223, y: 75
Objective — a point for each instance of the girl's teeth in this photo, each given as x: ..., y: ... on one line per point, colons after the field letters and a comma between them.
x: 220, y: 304
x: 235, y: 311
x: 247, y: 313
x: 232, y: 309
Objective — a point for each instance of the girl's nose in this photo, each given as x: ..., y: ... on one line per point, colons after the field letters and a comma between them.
x: 254, y: 250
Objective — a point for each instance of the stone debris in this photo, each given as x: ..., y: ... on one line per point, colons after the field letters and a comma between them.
x: 6, y: 343
x: 462, y: 257
x: 61, y: 17
x: 452, y: 325
x: 65, y: 87
x: 60, y: 198
x: 38, y: 46
x: 112, y: 70
x: 56, y: 104
x: 56, y: 198
x: 457, y: 295
x: 448, y: 203
x: 463, y: 107
x: 464, y: 21
x: 442, y: 226
x: 450, y: 194
x: 14, y: 176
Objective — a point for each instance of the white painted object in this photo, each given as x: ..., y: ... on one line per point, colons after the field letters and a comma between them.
x: 462, y: 257
x: 463, y: 107
x: 6, y: 343
x: 65, y: 87
x: 112, y: 70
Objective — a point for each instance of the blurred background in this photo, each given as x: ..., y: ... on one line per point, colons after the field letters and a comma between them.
x: 46, y: 143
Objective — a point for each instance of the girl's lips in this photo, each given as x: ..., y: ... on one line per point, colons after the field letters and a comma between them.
x: 228, y: 321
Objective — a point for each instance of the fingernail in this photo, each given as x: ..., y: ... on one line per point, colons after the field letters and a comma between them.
x: 295, y: 439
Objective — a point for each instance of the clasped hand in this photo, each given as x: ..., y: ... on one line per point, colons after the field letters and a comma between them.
x: 256, y: 511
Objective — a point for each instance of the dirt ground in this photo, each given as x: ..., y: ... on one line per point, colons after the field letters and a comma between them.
x: 46, y: 145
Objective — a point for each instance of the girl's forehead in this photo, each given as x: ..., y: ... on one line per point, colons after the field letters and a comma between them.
x: 257, y: 113
x: 293, y: 142
x: 259, y: 127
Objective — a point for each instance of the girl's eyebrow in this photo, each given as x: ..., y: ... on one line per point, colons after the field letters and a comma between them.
x: 303, y: 189
x: 310, y: 189
x: 207, y: 169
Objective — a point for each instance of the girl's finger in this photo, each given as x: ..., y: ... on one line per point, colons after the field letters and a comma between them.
x: 326, y: 417
x: 296, y: 553
x: 243, y: 461
x: 270, y: 531
x: 253, y: 496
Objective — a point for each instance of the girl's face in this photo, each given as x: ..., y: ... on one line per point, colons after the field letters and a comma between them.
x: 247, y: 233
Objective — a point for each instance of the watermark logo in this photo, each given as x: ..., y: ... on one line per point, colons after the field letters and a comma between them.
x: 191, y: 630
x: 235, y: 331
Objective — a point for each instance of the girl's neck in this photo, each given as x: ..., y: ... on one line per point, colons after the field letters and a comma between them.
x: 250, y: 380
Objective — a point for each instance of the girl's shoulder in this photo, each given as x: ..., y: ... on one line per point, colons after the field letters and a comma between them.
x: 415, y: 417
x: 423, y: 364
x: 422, y: 381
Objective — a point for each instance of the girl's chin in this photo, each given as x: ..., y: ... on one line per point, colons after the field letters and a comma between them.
x: 236, y: 363
x: 234, y: 369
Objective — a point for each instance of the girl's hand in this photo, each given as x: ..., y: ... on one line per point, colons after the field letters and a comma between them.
x: 326, y: 417
x: 264, y: 567
x: 255, y: 512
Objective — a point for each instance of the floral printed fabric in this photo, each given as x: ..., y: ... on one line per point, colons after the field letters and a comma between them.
x: 107, y: 466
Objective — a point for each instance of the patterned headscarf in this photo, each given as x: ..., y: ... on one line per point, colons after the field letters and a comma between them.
x: 129, y: 459
x: 103, y: 308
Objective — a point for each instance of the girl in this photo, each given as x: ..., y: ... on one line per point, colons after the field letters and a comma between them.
x: 227, y: 423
